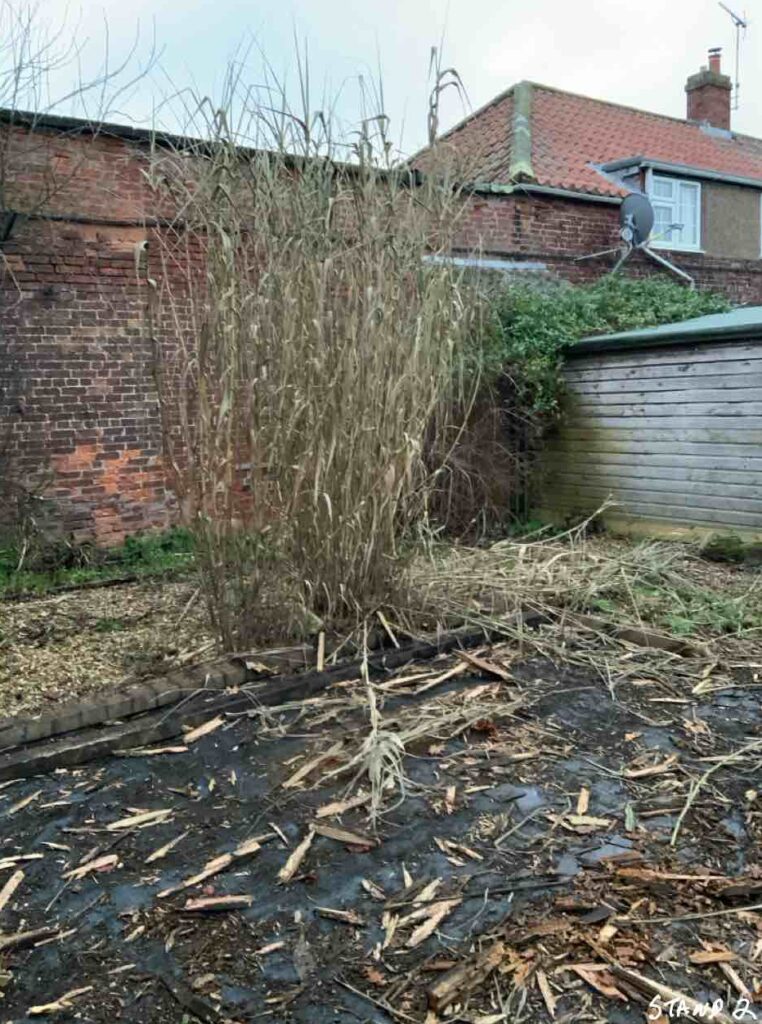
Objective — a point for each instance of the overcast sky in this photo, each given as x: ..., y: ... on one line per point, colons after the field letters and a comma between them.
x: 633, y: 53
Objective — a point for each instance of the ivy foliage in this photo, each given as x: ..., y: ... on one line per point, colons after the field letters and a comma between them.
x: 532, y: 324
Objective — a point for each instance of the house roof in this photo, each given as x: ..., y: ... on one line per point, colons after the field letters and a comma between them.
x: 739, y: 324
x: 569, y: 137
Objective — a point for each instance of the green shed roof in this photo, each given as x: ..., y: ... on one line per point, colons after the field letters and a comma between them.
x: 739, y: 324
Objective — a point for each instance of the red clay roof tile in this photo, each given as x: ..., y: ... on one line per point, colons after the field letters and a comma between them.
x: 570, y: 133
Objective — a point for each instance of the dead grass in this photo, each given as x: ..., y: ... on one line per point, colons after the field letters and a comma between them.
x: 665, y: 586
x: 377, y: 759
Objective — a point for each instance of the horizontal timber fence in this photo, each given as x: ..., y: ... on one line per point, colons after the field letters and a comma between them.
x: 667, y: 426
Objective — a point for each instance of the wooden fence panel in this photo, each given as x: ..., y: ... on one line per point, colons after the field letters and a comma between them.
x: 672, y: 433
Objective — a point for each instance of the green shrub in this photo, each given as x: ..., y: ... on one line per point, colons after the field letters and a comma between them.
x: 533, y: 324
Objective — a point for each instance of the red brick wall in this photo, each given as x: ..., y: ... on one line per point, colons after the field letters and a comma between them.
x: 79, y: 417
x: 70, y: 173
x: 534, y: 228
x: 79, y: 423
x: 556, y: 231
x: 712, y: 104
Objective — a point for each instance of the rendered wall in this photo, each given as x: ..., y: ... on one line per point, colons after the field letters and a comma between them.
x: 730, y: 217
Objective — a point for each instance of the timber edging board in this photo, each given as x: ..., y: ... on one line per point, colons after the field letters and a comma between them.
x: 22, y: 757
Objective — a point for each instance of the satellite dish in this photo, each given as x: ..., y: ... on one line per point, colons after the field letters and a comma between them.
x: 636, y: 219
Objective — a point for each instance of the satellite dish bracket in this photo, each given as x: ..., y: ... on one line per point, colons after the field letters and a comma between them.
x: 636, y: 221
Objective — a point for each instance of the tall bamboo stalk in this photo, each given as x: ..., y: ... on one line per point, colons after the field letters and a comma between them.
x: 308, y: 350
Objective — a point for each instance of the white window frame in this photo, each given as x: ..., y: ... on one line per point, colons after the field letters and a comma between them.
x: 661, y: 243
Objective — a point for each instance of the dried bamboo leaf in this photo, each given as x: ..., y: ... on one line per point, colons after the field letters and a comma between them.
x: 104, y: 863
x: 218, y: 864
x: 164, y: 850
x: 205, y: 904
x: 61, y: 1005
x: 7, y: 891
x: 338, y: 807
x: 309, y: 766
x: 293, y: 863
x: 203, y: 730
x: 140, y: 820
x: 342, y: 835
x: 438, y: 913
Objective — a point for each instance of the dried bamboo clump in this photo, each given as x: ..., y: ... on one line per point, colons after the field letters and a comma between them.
x: 308, y: 351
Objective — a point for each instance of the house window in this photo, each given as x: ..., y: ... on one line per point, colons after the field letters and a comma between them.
x: 677, y: 213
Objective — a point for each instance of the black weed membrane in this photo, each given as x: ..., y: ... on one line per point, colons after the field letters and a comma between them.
x: 550, y: 847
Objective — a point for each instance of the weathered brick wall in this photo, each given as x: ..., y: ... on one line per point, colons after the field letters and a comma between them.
x: 534, y: 228
x: 79, y: 415
x: 78, y: 410
x: 73, y: 173
x: 556, y: 231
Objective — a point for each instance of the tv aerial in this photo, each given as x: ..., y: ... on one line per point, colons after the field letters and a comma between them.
x: 636, y: 221
x: 739, y: 23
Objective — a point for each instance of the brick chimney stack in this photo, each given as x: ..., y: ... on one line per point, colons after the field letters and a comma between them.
x: 709, y: 94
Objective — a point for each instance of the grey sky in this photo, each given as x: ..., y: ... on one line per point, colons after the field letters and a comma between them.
x: 637, y: 54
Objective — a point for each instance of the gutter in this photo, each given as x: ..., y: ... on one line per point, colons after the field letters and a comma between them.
x: 520, y: 188
x: 685, y: 170
x: 622, y: 164
x: 565, y: 193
